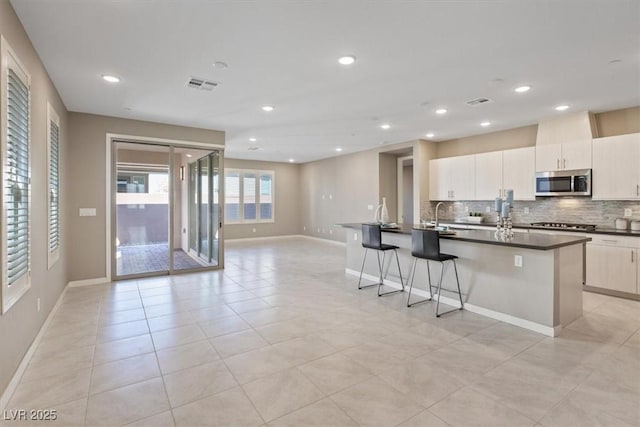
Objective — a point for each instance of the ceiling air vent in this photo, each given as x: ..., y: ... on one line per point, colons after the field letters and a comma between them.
x: 478, y: 101
x: 201, y: 84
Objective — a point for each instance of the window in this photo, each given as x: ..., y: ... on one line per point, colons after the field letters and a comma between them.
x: 53, y: 164
x: 248, y: 196
x: 16, y: 170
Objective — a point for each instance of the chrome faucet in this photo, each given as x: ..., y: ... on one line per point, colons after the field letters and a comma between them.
x: 438, y: 207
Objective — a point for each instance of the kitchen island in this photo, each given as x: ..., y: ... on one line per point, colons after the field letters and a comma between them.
x: 531, y: 280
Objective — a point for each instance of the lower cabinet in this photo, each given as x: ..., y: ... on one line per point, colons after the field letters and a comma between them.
x: 613, y: 265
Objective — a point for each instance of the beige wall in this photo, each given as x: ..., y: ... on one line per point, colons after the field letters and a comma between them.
x: 20, y: 325
x: 341, y: 189
x: 87, y: 181
x: 495, y: 141
x: 618, y: 122
x: 287, y: 201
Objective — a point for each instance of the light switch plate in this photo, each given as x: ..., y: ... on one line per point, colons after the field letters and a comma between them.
x: 466, y: 208
x: 87, y: 211
x: 355, y: 236
x: 517, y: 260
x: 526, y: 210
x: 628, y: 212
x: 487, y: 209
x: 370, y: 207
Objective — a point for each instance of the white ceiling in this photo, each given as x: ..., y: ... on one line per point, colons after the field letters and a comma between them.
x: 412, y: 57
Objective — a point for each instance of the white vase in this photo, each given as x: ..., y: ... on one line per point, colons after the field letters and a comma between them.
x: 382, y: 213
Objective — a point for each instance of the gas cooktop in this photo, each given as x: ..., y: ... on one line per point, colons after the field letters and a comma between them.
x: 564, y: 226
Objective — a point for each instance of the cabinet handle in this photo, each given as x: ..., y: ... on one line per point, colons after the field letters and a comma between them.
x: 637, y: 189
x: 564, y: 163
x: 557, y: 163
x: 632, y: 256
x: 610, y: 241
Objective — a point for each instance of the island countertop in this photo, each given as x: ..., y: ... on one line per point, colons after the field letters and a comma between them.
x: 519, y: 240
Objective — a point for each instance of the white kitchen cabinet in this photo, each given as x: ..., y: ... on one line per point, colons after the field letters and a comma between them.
x: 518, y: 172
x: 616, y: 168
x: 452, y: 178
x: 612, y: 267
x: 568, y: 156
x: 502, y: 170
x: 488, y: 175
x: 439, y: 179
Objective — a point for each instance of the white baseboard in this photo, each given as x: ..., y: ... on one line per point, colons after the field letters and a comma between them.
x: 320, y: 239
x: 287, y: 236
x: 507, y: 318
x: 88, y: 282
x: 246, y: 239
x: 17, y: 376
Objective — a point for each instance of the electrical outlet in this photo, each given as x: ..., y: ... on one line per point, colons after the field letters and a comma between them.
x: 330, y: 197
x: 318, y: 230
x: 450, y: 208
x: 38, y: 304
x: 355, y: 236
x: 330, y: 231
x: 370, y: 207
x: 304, y: 228
x: 526, y: 210
x: 323, y: 197
x: 517, y: 261
x: 466, y: 208
x: 487, y: 209
x: 254, y: 230
x: 628, y: 212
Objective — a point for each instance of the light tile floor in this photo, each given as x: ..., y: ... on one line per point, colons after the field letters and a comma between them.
x: 282, y: 337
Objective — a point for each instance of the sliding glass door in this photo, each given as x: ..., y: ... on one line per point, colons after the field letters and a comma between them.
x: 204, y: 208
x: 166, y: 210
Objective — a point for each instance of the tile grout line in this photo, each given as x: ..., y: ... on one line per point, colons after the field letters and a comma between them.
x: 155, y: 352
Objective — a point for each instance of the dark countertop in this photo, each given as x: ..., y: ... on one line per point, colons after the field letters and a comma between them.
x: 598, y: 230
x: 519, y: 240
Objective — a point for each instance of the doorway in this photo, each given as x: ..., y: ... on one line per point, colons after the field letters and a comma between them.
x: 405, y: 189
x: 166, y: 216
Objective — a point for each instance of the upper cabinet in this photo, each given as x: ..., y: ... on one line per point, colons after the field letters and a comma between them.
x: 452, y: 178
x: 616, y: 167
x: 567, y: 156
x: 489, y: 175
x: 564, y: 143
x: 502, y: 170
x: 483, y: 176
x: 518, y: 172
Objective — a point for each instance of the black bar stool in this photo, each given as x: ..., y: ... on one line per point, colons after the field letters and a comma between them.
x: 372, y: 239
x: 425, y: 244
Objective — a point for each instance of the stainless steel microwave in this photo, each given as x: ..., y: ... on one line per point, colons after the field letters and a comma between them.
x: 564, y: 183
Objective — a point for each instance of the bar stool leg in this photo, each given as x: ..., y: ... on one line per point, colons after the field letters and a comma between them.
x: 458, y: 282
x: 384, y: 254
x: 409, y: 303
x: 362, y: 269
x: 438, y: 314
x: 429, y: 276
x: 399, y: 271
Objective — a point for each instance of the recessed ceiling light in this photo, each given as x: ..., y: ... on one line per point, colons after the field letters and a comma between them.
x: 189, y: 155
x: 338, y: 149
x: 347, y: 60
x: 385, y: 126
x: 562, y: 107
x: 254, y: 148
x: 291, y: 160
x: 220, y: 64
x: 441, y: 111
x: 485, y: 124
x: 430, y: 135
x: 523, y: 89
x: 252, y: 139
x: 615, y: 61
x: 268, y: 108
x: 111, y: 79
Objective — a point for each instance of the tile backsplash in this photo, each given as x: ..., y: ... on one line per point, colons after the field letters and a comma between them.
x: 560, y: 209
